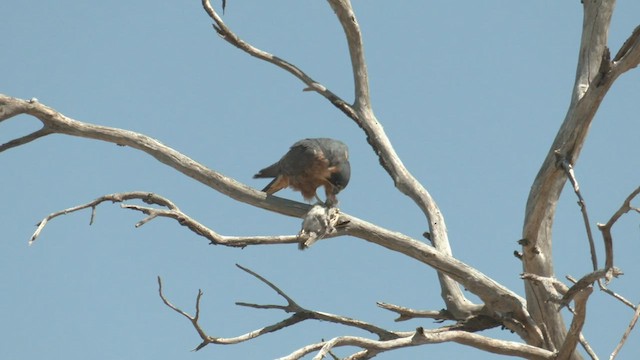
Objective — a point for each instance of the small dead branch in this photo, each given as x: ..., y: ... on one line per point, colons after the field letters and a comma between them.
x: 311, y: 85
x: 628, y: 57
x: 405, y: 313
x: 299, y: 314
x: 554, y: 288
x: 171, y: 211
x: 362, y: 114
x: 25, y: 139
x: 606, y: 228
x: 584, y: 283
x: 568, y: 168
x: 634, y: 319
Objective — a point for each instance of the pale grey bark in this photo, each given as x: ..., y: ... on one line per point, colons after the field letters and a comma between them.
x: 595, y: 75
x: 537, y: 321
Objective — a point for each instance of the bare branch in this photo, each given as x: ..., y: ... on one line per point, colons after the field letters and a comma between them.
x: 628, y: 57
x: 606, y: 228
x: 362, y: 114
x: 587, y: 348
x: 498, y: 299
x: 451, y: 293
x: 552, y: 286
x: 615, y: 295
x: 60, y: 124
x: 408, y: 314
x: 192, y: 319
x: 172, y: 212
x: 594, y: 77
x: 225, y: 33
x: 573, y: 335
x: 149, y: 198
x: 292, y: 305
x: 25, y: 139
x: 300, y: 314
x: 583, y: 209
x: 584, y: 283
x: 501, y: 300
x: 421, y: 337
x: 634, y: 319
x: 494, y: 294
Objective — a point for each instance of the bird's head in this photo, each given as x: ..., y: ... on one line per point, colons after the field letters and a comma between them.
x: 340, y: 178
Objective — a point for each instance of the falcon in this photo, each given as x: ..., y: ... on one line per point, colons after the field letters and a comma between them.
x: 309, y: 164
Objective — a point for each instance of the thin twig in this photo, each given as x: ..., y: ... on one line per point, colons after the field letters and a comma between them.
x: 292, y: 305
x: 584, y: 283
x: 225, y: 33
x: 172, y: 212
x: 405, y: 313
x: 625, y: 336
x: 299, y: 314
x: 568, y: 168
x: 25, y: 139
x: 606, y: 228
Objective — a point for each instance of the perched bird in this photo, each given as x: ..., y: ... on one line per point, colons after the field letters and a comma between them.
x: 309, y: 164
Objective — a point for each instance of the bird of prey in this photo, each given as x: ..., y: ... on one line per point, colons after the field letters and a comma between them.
x: 309, y: 164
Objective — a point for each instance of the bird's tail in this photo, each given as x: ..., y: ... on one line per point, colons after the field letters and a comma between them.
x: 268, y: 172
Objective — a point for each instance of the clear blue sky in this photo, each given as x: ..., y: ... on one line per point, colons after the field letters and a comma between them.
x: 470, y: 93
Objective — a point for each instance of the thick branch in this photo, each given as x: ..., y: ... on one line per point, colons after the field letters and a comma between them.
x: 362, y: 114
x: 389, y: 159
x: 421, y: 337
x: 573, y: 336
x: 55, y: 122
x: 594, y: 77
x: 499, y: 300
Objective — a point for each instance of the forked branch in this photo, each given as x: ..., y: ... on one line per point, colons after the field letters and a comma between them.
x: 606, y: 228
x: 362, y: 113
x: 171, y: 211
x: 299, y: 314
x: 387, y: 340
x: 371, y: 348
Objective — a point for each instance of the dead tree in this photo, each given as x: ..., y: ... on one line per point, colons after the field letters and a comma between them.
x: 535, y: 318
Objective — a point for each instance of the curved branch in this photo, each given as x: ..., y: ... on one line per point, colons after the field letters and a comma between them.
x: 625, y: 336
x: 422, y: 337
x: 451, y: 293
x: 363, y: 115
x: 233, y: 39
x: 57, y: 123
x: 595, y: 75
x: 299, y: 314
x: 405, y: 313
x: 25, y: 139
x: 606, y: 228
x: 499, y: 301
x: 573, y: 336
x: 172, y: 212
x: 568, y: 168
